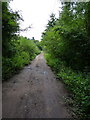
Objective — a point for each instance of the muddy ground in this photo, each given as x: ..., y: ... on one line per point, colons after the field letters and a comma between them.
x: 35, y: 93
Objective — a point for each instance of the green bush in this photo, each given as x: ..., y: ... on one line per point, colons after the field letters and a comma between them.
x: 7, y: 67
x: 23, y: 51
x: 20, y: 60
x: 78, y: 84
x: 29, y: 46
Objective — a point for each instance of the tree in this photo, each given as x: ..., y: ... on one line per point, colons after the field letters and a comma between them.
x: 68, y: 37
x: 10, y: 26
x: 52, y: 21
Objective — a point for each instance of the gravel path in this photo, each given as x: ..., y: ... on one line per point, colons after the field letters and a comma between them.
x: 34, y: 93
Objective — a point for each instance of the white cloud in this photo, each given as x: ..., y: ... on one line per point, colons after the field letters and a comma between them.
x: 35, y: 12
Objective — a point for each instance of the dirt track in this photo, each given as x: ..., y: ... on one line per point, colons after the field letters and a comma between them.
x: 34, y: 93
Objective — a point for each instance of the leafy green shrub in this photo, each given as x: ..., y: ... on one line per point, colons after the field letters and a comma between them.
x: 7, y: 67
x: 23, y: 51
x: 21, y: 60
x: 29, y: 46
x: 54, y: 63
x: 78, y: 84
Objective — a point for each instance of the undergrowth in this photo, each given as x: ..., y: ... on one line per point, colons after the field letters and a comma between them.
x: 77, y: 83
x: 23, y: 52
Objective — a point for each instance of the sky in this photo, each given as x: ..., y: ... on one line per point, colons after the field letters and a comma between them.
x: 35, y: 13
